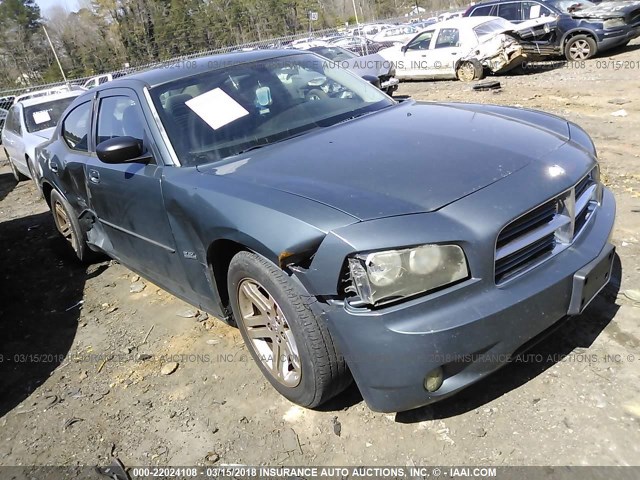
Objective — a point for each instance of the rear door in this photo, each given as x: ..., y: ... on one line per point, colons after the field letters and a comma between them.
x: 445, y: 51
x: 127, y: 198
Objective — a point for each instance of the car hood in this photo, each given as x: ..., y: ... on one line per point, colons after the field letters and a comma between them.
x: 609, y: 9
x: 406, y: 159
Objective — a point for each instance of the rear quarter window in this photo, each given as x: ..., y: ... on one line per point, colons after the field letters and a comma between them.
x: 75, y: 129
x: 483, y: 11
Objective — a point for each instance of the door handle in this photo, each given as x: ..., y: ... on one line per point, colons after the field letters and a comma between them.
x: 94, y: 176
x: 454, y: 53
x: 53, y: 166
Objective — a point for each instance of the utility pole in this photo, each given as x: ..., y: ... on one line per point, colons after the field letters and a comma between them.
x: 54, y: 53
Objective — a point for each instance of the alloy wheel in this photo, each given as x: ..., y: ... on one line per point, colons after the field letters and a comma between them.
x: 269, y: 332
x: 466, y: 72
x: 63, y: 224
x: 580, y: 50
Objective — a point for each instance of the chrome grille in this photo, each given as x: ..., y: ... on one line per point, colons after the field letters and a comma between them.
x: 546, y: 230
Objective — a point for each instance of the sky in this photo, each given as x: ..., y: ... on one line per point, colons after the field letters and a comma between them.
x: 45, y: 5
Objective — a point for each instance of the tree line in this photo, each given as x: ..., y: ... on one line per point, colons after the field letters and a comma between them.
x: 108, y: 35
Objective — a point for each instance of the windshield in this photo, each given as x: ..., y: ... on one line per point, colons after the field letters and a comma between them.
x: 337, y: 54
x: 45, y: 115
x: 225, y: 112
x: 492, y: 27
x: 570, y: 6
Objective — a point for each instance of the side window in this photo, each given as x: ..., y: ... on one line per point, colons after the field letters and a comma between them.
x: 75, y: 129
x: 448, y: 37
x: 422, y: 41
x: 119, y: 117
x: 9, y: 121
x: 483, y: 11
x: 532, y: 10
x: 17, y: 124
x: 510, y: 11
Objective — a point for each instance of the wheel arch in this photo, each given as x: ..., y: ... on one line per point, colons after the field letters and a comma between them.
x: 578, y: 31
x: 47, y: 188
x: 220, y: 252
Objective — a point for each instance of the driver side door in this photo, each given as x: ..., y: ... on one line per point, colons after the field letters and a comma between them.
x: 126, y: 198
x: 417, y: 56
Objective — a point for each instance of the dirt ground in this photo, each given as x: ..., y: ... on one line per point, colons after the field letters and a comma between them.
x: 81, y: 349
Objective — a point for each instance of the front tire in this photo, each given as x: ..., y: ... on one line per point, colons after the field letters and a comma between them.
x: 292, y: 347
x: 68, y: 226
x: 579, y: 48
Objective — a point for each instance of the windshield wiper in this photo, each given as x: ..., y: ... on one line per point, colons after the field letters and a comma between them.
x: 267, y: 144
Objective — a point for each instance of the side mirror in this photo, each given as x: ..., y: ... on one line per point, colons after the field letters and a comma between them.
x: 375, y: 81
x: 404, y: 49
x: 121, y: 150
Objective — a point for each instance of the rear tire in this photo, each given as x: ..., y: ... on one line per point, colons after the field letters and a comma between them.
x: 580, y: 48
x: 68, y: 226
x: 276, y: 323
x: 469, y: 70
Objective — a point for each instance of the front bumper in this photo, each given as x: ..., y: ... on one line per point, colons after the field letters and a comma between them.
x: 470, y: 330
x: 612, y: 38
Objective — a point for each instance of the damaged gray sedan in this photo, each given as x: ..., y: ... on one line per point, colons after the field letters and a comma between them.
x: 415, y: 262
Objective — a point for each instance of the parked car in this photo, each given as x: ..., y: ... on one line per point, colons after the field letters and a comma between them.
x: 370, y: 31
x: 582, y: 28
x: 402, y: 34
x: 360, y: 45
x: 100, y: 79
x: 421, y: 25
x: 462, y: 48
x: 28, y: 124
x: 47, y: 92
x: 370, y: 67
x: 351, y: 235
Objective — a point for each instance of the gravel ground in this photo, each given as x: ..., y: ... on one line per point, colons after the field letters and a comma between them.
x: 82, y: 350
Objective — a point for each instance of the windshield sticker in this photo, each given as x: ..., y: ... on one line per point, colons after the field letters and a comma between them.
x: 216, y: 108
x: 41, y: 117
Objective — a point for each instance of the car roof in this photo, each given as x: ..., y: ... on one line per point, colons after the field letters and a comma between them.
x: 49, y: 98
x: 162, y: 73
x: 485, y: 2
x: 463, y: 22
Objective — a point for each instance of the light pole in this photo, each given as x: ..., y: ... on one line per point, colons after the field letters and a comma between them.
x: 55, y: 54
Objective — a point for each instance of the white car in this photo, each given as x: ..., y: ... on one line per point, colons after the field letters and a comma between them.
x: 370, y: 31
x: 309, y: 42
x: 401, y: 34
x: 460, y: 48
x: 100, y: 79
x: 28, y: 124
x: 49, y: 91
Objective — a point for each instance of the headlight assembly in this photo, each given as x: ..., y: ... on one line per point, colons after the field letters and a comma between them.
x: 382, y: 277
x: 614, y: 23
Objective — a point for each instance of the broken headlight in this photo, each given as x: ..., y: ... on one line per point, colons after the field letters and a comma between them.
x: 613, y: 23
x: 382, y: 277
